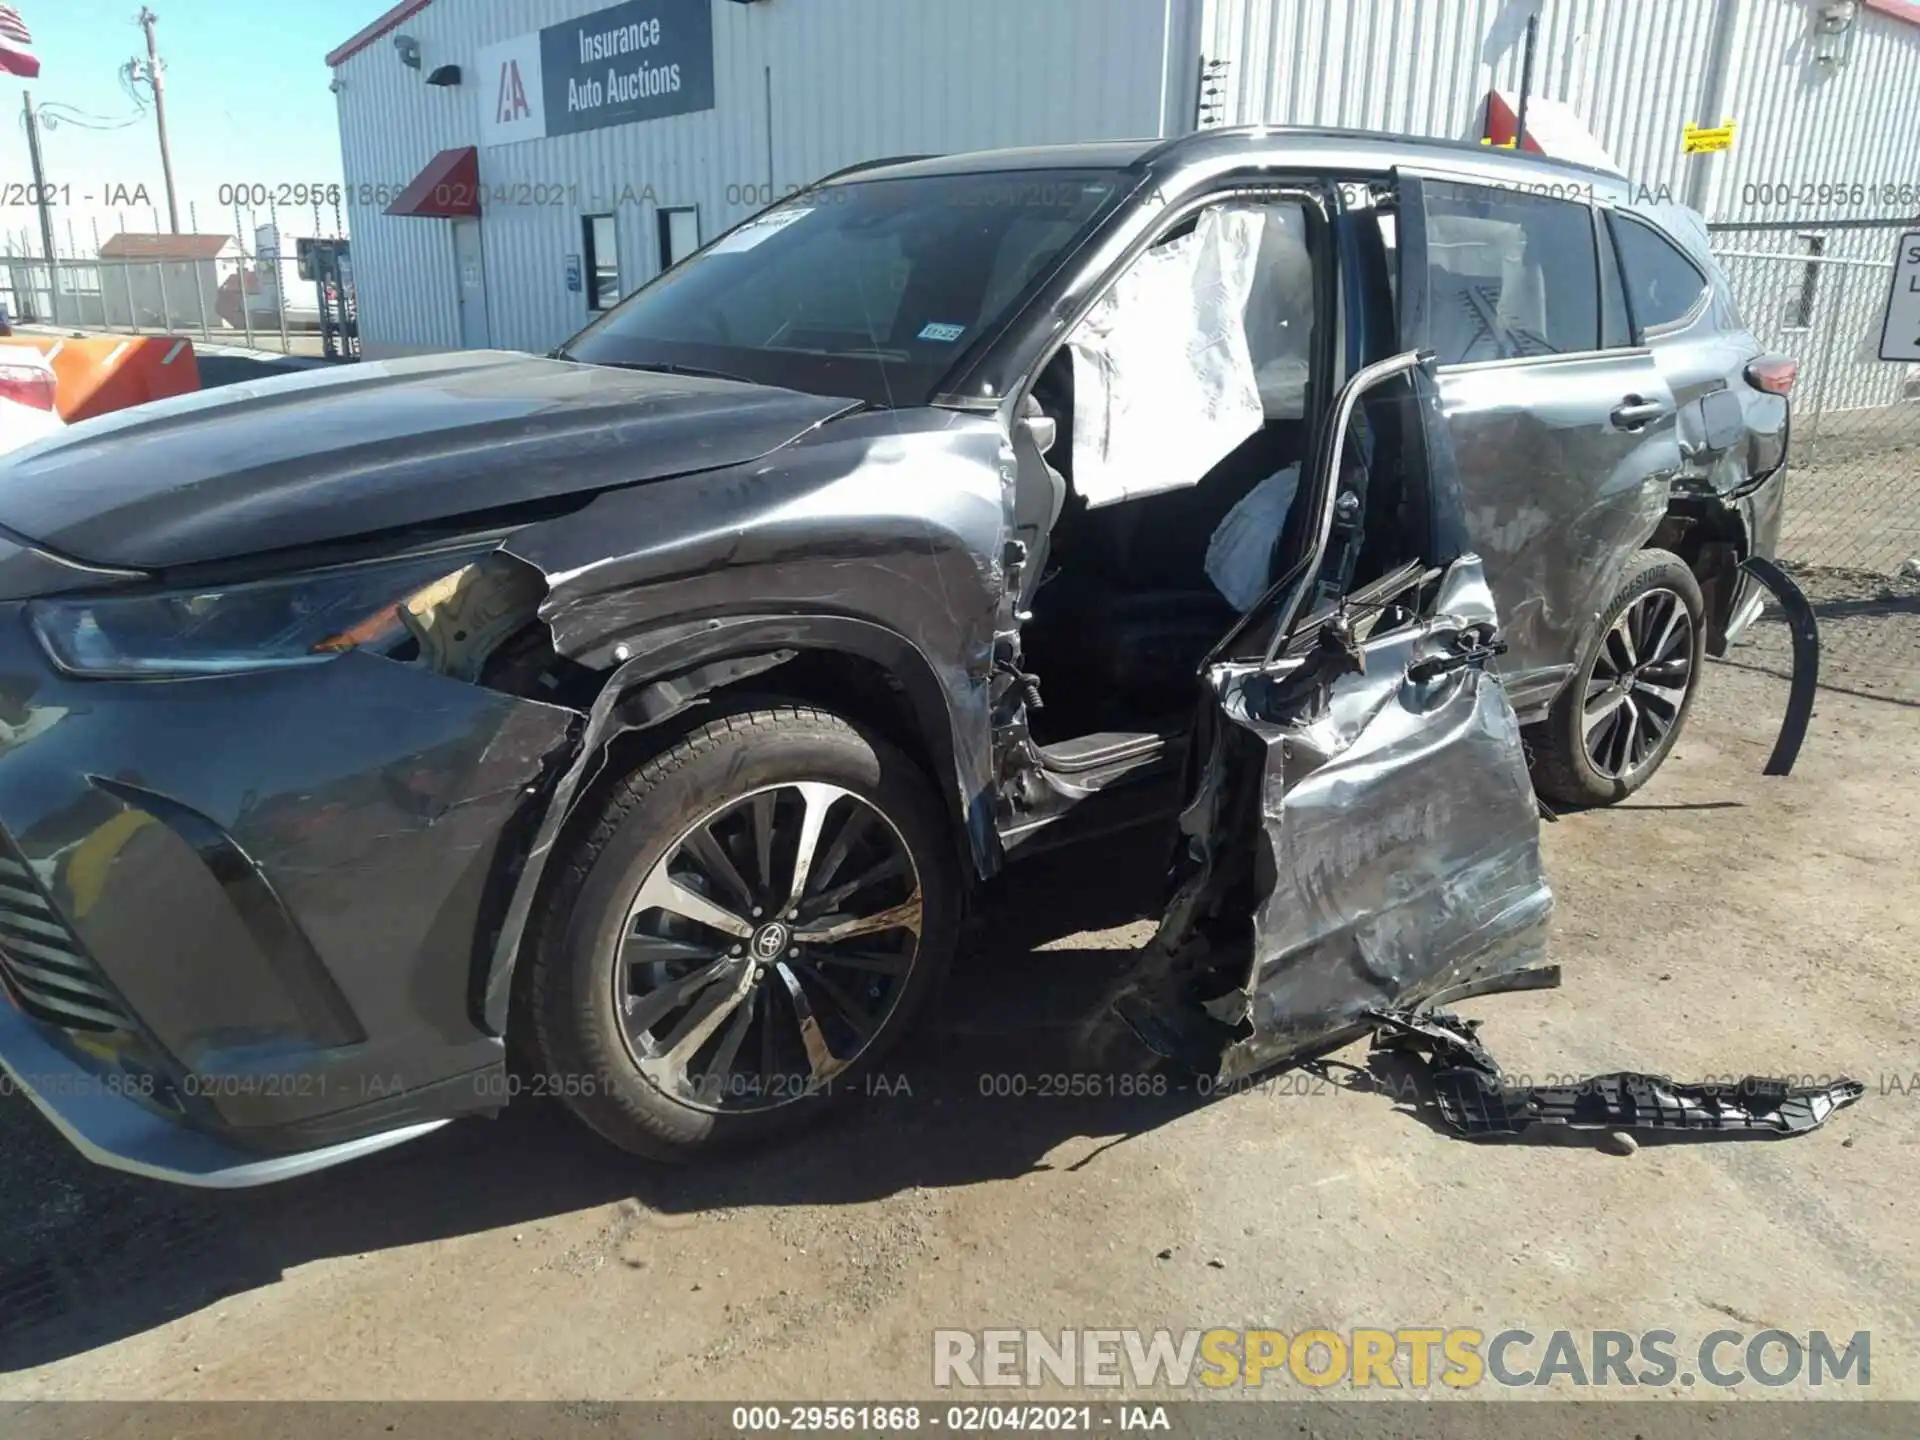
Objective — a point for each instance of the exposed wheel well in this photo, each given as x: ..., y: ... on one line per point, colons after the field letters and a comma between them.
x: 855, y: 687
x: 1710, y: 536
x: 672, y: 690
x: 852, y: 686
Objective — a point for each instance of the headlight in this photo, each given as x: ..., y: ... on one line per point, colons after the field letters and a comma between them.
x: 297, y: 620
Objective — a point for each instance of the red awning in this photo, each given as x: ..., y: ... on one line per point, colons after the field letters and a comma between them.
x: 449, y: 186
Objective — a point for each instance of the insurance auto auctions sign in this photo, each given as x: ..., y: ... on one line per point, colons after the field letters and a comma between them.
x: 642, y: 60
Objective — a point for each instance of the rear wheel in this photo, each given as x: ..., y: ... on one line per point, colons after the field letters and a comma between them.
x: 745, y: 932
x: 1617, y: 719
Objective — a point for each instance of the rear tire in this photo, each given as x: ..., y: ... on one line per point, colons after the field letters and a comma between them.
x: 1616, y: 720
x: 729, y: 1014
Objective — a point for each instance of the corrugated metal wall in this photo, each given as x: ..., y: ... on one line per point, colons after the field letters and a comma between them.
x: 850, y: 80
x: 391, y: 123
x: 1807, y: 124
x: 1631, y: 68
x: 1636, y: 70
x: 854, y: 79
x: 1815, y: 144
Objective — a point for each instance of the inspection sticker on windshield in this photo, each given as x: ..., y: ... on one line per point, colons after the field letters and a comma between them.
x: 755, y: 231
x: 947, y: 334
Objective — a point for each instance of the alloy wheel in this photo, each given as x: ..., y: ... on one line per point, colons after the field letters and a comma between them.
x: 764, y: 952
x: 1638, y: 684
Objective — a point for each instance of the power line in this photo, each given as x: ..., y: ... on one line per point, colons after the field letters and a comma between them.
x: 55, y: 113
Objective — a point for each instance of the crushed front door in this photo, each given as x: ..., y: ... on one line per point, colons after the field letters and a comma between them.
x: 1363, y: 834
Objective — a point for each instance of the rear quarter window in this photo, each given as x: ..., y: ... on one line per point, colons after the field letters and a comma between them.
x: 1664, y: 287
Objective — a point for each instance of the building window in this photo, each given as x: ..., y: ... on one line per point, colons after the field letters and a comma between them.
x: 602, y: 246
x: 679, y: 234
x: 1800, y: 304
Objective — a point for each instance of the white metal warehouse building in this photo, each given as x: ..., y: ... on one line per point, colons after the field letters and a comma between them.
x: 510, y: 164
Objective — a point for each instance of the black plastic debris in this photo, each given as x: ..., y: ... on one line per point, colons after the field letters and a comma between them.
x: 1805, y: 630
x: 1475, y: 1099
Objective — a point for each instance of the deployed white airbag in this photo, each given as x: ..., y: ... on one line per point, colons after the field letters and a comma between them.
x: 1241, y: 550
x: 1164, y: 385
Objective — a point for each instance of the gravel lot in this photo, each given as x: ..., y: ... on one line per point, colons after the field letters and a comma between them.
x: 1720, y: 922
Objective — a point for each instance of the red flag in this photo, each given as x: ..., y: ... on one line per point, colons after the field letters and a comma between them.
x: 16, y: 45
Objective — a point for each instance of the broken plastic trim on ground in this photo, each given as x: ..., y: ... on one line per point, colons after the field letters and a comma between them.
x: 1475, y: 1099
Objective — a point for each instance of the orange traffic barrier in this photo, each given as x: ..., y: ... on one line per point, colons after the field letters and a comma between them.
x: 98, y: 374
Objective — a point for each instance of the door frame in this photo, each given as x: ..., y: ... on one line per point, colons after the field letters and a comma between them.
x: 461, y: 308
x: 1311, y: 977
x: 1107, y: 256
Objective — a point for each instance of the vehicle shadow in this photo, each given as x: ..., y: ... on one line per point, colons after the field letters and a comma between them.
x: 1017, y: 1055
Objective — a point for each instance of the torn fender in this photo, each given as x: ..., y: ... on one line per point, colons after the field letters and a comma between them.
x: 893, y: 521
x: 677, y: 666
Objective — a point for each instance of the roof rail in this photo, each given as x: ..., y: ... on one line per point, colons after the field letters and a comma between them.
x: 1441, y: 143
x: 884, y: 160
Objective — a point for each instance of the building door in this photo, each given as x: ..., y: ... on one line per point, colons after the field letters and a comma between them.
x: 470, y: 283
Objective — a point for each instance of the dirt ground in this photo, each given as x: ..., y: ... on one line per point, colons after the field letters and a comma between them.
x: 1869, y: 633
x: 1718, y: 923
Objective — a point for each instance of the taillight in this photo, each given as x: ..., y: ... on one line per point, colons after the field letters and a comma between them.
x: 25, y: 385
x: 1774, y: 374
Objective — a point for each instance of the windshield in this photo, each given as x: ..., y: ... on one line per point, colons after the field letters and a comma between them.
x: 868, y: 288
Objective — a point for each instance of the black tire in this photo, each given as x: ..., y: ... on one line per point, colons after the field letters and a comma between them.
x: 582, y: 1053
x: 1564, y: 770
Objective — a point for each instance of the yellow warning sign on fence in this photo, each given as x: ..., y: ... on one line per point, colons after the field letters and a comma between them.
x: 1705, y: 139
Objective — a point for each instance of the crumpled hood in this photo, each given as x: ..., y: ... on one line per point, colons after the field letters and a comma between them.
x: 360, y: 449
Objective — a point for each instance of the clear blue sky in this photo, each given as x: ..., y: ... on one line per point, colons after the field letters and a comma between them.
x: 247, y: 102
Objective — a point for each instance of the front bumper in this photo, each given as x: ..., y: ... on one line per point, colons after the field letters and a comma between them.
x: 96, y: 1109
x: 240, y: 916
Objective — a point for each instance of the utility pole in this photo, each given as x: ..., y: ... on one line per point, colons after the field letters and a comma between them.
x: 46, y: 214
x: 147, y: 21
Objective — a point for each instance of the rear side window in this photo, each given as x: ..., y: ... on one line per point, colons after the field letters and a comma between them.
x: 1663, y: 285
x: 1509, y: 275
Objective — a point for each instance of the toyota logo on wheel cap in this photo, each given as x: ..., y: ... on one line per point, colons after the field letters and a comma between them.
x: 770, y: 942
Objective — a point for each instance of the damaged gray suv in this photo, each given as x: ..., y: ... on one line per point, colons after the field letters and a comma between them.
x: 653, y: 708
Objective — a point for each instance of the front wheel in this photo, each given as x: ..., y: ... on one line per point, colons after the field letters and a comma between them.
x: 1618, y: 717
x: 745, y: 932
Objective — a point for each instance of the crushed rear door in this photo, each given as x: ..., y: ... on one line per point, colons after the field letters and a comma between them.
x: 1362, y: 832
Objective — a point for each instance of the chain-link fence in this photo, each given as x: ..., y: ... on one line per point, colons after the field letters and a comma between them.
x: 261, y: 304
x: 1850, y: 532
